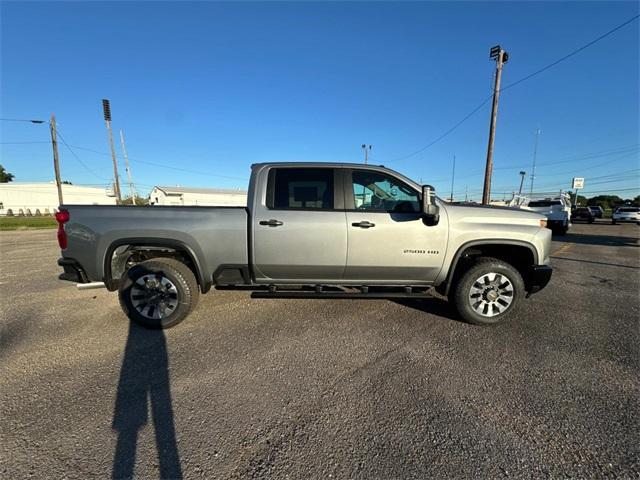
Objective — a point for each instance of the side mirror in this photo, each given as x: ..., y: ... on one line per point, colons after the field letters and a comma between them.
x: 430, y: 211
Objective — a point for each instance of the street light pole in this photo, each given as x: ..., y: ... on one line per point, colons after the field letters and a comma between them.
x: 453, y: 176
x: 535, y: 155
x: 501, y: 57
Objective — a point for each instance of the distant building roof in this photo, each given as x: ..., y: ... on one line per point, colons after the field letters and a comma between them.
x: 178, y: 190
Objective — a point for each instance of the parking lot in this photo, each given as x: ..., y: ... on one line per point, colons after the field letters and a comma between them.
x: 324, y: 388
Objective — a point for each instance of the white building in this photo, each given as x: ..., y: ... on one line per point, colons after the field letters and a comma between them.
x: 42, y: 198
x: 197, y: 196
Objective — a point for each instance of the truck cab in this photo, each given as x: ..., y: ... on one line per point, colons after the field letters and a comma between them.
x: 331, y: 223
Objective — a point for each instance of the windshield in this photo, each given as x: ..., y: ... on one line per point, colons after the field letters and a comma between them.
x: 629, y: 210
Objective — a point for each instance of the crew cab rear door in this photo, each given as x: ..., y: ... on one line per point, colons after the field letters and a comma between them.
x: 387, y: 237
x: 299, y: 228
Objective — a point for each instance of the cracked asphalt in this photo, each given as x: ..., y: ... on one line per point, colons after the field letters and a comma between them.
x: 323, y: 388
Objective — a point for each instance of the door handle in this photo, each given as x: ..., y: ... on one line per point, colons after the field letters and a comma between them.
x: 271, y: 223
x: 363, y: 224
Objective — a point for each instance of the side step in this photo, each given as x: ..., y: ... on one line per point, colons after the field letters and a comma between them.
x: 329, y: 294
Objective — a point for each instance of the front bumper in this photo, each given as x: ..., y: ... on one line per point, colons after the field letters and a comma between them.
x: 539, y: 277
x: 73, y: 271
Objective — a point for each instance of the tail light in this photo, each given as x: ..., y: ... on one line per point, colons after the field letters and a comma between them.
x: 62, y: 217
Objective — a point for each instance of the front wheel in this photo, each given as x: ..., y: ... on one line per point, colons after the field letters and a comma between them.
x: 613, y: 222
x: 488, y: 292
x: 158, y: 293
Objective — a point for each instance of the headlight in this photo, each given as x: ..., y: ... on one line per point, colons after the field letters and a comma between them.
x: 543, y: 223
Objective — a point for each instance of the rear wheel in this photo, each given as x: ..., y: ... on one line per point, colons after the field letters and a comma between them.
x: 488, y: 292
x: 158, y: 293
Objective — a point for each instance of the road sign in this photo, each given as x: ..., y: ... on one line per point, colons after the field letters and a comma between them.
x: 578, y: 182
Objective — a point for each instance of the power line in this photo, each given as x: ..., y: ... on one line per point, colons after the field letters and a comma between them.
x: 24, y: 143
x: 171, y: 167
x: 513, y: 84
x: 22, y: 120
x: 436, y: 140
x: 637, y: 189
x: 78, y: 158
x: 562, y: 59
x: 587, y: 156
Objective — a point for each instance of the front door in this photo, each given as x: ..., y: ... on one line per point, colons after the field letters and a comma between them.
x: 387, y: 238
x: 300, y: 232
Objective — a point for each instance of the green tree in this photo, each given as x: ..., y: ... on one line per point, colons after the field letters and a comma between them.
x: 604, y: 201
x: 5, y: 177
x: 582, y: 201
x: 139, y: 200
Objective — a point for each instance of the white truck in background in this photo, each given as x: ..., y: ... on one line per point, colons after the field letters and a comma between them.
x: 557, y: 210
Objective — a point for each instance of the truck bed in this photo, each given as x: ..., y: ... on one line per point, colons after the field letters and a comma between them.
x: 212, y: 235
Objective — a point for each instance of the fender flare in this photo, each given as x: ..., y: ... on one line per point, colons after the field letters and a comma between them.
x: 111, y: 284
x: 478, y: 243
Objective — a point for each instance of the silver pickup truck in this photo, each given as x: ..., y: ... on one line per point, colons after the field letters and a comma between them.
x: 319, y: 230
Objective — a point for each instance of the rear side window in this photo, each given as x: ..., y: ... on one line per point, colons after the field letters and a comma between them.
x: 300, y: 188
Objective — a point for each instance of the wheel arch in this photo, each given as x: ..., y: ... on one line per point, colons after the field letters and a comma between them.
x: 162, y: 247
x: 524, y: 252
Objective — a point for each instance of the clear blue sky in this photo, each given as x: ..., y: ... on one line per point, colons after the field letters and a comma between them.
x: 214, y: 87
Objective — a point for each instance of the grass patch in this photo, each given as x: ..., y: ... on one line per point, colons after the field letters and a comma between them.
x: 26, y: 223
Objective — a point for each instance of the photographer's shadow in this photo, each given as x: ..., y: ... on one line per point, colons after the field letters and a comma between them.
x: 144, y: 381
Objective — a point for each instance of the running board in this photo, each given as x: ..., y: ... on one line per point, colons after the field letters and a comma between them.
x: 337, y: 295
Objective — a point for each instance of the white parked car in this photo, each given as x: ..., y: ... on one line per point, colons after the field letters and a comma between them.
x: 626, y: 214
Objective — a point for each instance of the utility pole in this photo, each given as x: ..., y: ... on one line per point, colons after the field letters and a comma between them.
x: 453, y: 175
x: 522, y: 175
x: 500, y: 56
x: 466, y: 189
x: 535, y: 154
x: 367, y: 149
x: 106, y: 108
x: 132, y: 191
x: 56, y: 160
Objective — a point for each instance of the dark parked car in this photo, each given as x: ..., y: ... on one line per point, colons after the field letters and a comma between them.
x: 582, y: 214
x: 598, y: 212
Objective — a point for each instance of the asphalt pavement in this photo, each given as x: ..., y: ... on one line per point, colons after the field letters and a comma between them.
x: 323, y: 388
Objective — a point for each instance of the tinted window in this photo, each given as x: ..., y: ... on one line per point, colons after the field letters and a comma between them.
x: 628, y: 209
x: 543, y: 203
x: 377, y: 191
x: 302, y: 188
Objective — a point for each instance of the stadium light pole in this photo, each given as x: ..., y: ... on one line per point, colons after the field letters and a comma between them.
x: 367, y: 149
x: 522, y: 175
x: 106, y: 109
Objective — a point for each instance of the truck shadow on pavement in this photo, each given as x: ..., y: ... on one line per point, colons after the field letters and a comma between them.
x: 144, y: 379
x: 434, y: 306
x: 602, y: 240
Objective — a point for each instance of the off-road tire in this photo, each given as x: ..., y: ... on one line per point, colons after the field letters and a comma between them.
x: 459, y: 294
x: 177, y: 274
